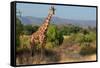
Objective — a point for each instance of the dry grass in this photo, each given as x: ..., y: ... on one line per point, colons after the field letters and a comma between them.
x: 56, y: 55
x: 67, y: 52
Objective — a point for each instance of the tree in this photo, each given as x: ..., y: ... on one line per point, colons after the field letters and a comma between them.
x: 53, y: 35
x: 19, y: 29
x: 69, y: 29
x: 29, y: 29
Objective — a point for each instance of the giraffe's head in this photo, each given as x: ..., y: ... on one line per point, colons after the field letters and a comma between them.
x: 52, y: 10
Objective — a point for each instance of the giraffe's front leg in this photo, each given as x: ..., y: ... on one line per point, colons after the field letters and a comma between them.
x: 42, y: 43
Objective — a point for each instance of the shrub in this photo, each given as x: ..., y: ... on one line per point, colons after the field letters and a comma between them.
x: 70, y: 29
x: 25, y: 41
x: 87, y: 50
x: 54, y: 37
x: 29, y: 29
x: 49, y: 46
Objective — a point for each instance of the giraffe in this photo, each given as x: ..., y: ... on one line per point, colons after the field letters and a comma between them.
x: 40, y: 35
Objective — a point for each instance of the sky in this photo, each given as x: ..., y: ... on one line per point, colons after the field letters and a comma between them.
x: 68, y: 12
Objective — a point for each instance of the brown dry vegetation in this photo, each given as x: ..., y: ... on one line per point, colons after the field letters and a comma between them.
x: 66, y: 52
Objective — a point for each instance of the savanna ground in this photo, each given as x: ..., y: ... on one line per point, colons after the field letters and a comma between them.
x: 64, y: 44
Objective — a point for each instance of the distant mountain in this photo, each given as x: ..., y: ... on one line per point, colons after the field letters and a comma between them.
x: 86, y: 23
x: 57, y: 20
x: 31, y: 20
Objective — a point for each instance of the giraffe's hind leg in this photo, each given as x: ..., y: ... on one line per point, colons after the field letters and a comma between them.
x: 32, y: 47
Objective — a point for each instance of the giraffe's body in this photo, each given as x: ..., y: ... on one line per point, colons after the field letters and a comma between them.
x: 40, y: 35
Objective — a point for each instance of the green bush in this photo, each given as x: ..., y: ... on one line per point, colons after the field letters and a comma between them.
x: 81, y: 38
x: 88, y: 38
x: 87, y: 46
x: 54, y: 36
x: 70, y: 29
x: 29, y: 29
x: 75, y: 38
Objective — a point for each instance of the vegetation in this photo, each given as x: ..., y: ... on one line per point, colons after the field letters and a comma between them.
x: 54, y: 37
x: 69, y: 29
x: 29, y: 29
x: 61, y: 42
x: 87, y: 50
x: 19, y: 29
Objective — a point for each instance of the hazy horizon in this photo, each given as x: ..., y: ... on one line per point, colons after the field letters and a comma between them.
x: 67, y: 12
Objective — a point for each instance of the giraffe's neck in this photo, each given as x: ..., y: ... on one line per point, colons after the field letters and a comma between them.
x: 45, y: 25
